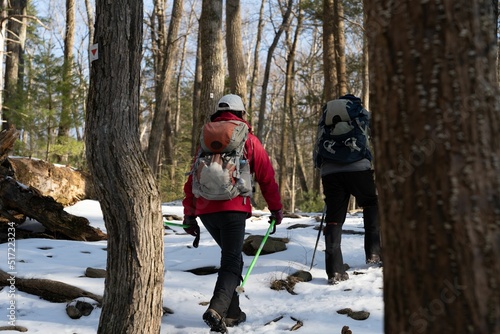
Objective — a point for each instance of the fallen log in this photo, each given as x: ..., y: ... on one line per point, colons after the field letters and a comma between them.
x: 14, y: 328
x: 44, y: 209
x: 53, y: 291
x: 18, y: 201
x: 64, y: 184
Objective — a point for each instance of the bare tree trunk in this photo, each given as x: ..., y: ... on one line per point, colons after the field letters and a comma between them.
x: 124, y: 182
x: 340, y: 47
x: 3, y: 29
x: 255, y: 72
x: 436, y: 123
x: 212, y: 84
x: 283, y: 152
x: 329, y: 65
x: 234, y: 50
x: 289, y: 132
x: 267, y: 73
x: 299, y: 161
x: 178, y: 109
x: 164, y: 67
x: 65, y: 119
x: 198, y: 118
x: 16, y: 35
x: 90, y: 24
x: 366, y: 66
x: 494, y: 4
x: 180, y: 70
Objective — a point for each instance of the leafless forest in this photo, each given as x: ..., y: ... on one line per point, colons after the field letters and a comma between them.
x: 121, y: 88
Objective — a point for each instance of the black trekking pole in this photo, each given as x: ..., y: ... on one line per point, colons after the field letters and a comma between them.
x: 319, y: 234
x: 196, y: 239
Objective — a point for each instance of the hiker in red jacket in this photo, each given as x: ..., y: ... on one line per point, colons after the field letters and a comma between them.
x: 225, y: 220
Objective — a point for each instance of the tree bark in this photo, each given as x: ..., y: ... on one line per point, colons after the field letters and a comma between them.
x: 267, y: 72
x: 212, y: 64
x: 292, y: 107
x: 124, y: 182
x: 234, y: 50
x: 435, y: 104
x: 3, y: 29
x: 255, y: 71
x: 329, y: 65
x: 340, y: 47
x: 65, y: 118
x: 365, y: 72
x: 166, y: 50
x: 90, y: 25
x: 198, y: 118
x: 16, y: 35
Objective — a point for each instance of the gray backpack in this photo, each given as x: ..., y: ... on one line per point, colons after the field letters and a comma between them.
x: 221, y: 171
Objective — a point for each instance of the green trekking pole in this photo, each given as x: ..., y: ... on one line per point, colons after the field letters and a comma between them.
x: 175, y: 224
x: 240, y: 288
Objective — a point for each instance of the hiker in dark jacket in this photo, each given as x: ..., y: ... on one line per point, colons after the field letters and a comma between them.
x: 225, y: 221
x: 340, y: 180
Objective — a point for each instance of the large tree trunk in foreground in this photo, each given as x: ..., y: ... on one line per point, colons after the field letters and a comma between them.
x: 124, y: 182
x: 435, y: 102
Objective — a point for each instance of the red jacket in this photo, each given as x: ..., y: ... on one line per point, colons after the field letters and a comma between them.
x: 260, y: 165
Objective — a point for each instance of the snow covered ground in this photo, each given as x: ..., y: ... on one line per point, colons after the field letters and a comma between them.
x: 315, y: 304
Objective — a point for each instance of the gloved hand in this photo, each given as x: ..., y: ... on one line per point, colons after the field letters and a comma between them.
x: 277, y: 216
x: 193, y: 225
x: 193, y: 229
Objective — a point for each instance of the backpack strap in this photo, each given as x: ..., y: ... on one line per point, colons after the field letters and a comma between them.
x: 365, y: 129
x: 248, y: 152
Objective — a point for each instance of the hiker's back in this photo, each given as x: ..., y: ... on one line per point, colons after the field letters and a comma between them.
x: 221, y: 170
x: 343, y: 132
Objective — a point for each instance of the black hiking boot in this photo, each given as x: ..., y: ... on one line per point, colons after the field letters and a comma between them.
x: 214, y: 321
x: 374, y: 260
x: 231, y: 322
x: 338, y: 277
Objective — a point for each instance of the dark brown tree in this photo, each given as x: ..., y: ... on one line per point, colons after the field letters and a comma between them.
x: 126, y: 187
x: 436, y: 113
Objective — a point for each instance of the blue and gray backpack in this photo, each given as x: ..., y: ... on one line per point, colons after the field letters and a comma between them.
x: 343, y: 132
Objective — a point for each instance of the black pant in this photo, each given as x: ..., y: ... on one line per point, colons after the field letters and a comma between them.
x: 228, y: 230
x: 337, y: 188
